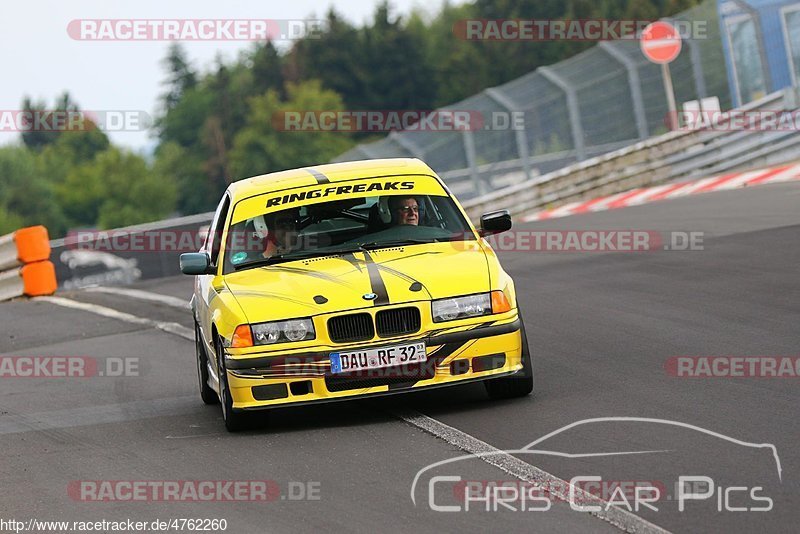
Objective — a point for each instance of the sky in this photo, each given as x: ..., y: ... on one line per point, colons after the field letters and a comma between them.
x: 41, y: 60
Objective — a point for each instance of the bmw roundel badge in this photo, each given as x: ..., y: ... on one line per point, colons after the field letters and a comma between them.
x: 369, y: 296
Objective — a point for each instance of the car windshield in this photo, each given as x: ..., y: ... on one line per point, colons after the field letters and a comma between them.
x: 347, y: 225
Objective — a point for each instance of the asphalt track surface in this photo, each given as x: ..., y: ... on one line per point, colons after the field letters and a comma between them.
x: 601, y: 326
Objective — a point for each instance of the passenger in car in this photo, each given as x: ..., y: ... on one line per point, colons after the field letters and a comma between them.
x: 282, y: 232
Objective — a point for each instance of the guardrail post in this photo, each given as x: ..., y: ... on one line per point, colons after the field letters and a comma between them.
x: 790, y: 100
x: 634, y: 84
x: 572, y: 108
x: 469, y: 152
x: 520, y: 134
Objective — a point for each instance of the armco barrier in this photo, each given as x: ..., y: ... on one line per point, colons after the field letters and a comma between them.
x: 81, y: 263
x: 25, y: 266
x: 677, y: 155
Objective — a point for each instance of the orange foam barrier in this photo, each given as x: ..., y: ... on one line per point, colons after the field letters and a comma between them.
x: 33, y: 244
x: 39, y: 278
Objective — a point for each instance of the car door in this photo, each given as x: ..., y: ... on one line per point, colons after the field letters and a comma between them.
x: 209, y: 285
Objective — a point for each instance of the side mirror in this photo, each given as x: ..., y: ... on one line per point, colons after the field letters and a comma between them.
x: 495, y: 222
x: 196, y: 263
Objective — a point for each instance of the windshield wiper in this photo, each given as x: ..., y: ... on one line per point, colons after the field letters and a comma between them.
x: 395, y: 243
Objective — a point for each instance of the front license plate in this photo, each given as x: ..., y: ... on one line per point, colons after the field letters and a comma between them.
x: 357, y: 360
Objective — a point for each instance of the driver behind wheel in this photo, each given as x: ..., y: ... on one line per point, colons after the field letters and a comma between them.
x: 405, y: 210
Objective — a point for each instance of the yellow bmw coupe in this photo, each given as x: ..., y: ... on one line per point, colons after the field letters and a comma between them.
x: 350, y: 280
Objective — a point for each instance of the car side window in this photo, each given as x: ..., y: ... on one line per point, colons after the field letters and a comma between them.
x: 217, y: 227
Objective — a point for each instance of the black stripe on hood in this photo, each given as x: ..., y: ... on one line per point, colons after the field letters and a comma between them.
x: 375, y: 280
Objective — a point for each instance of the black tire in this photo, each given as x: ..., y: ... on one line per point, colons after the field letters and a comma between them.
x: 234, y: 420
x: 519, y: 385
x: 208, y: 395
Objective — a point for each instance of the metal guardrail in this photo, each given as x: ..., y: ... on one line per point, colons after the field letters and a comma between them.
x: 82, y: 263
x: 467, y: 185
x: 681, y: 154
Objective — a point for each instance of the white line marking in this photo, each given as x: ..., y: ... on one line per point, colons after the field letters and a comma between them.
x: 526, y: 472
x: 182, y: 304
x: 172, y: 328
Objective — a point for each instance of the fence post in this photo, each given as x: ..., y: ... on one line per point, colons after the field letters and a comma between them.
x: 469, y: 152
x: 520, y: 134
x: 760, y: 43
x: 635, y: 86
x: 697, y: 69
x: 572, y: 108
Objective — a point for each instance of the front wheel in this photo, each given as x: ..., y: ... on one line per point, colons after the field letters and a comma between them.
x: 234, y: 421
x: 208, y: 395
x: 518, y: 385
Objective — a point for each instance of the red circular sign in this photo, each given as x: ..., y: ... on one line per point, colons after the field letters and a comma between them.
x: 660, y: 42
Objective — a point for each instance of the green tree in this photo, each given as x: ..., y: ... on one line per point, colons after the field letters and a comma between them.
x: 185, y: 169
x: 9, y: 222
x: 261, y: 148
x: 40, y: 136
x: 27, y: 196
x: 334, y: 57
x: 398, y: 73
x: 267, y: 69
x: 180, y: 76
x: 116, y: 189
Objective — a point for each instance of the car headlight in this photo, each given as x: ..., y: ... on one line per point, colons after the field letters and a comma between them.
x: 461, y: 307
x: 454, y: 308
x: 283, y: 331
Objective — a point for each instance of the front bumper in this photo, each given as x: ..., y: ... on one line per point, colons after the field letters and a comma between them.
x: 475, y: 352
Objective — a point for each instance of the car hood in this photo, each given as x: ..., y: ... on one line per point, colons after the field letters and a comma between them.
x: 336, y: 283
